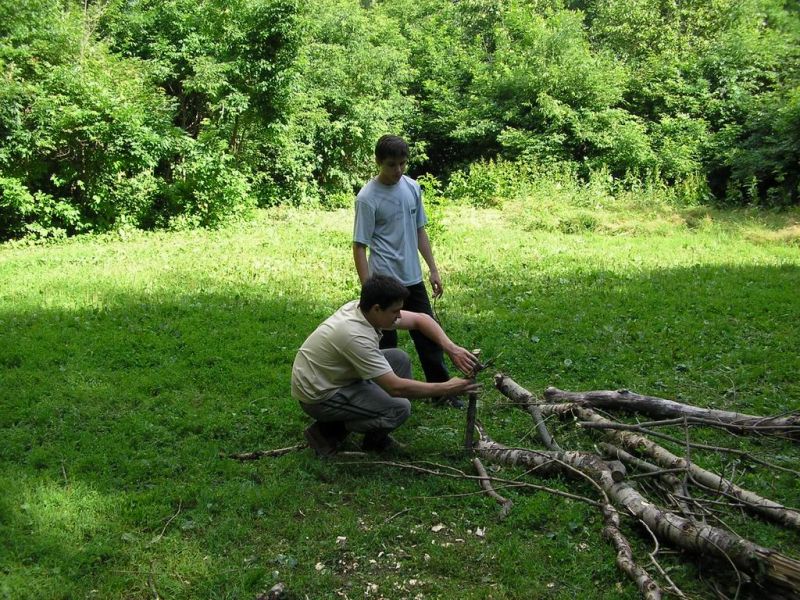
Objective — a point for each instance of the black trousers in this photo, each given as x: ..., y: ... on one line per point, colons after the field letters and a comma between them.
x: 430, y: 354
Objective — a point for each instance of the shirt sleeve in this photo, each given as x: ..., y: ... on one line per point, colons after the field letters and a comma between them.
x: 422, y: 218
x: 364, y: 224
x: 367, y: 360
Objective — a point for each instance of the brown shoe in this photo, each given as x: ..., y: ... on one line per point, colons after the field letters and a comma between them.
x: 320, y: 443
x: 380, y: 442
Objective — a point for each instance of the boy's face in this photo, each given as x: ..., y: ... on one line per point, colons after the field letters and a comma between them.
x: 391, y: 170
x: 384, y: 318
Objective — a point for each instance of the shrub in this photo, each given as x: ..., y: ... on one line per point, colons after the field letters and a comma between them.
x: 208, y: 189
x: 488, y: 183
x: 36, y: 215
x: 83, y: 131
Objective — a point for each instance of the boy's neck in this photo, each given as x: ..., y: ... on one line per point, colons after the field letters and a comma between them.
x: 380, y: 179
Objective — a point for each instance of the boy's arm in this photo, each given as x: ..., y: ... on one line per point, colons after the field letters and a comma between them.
x: 360, y: 258
x: 425, y: 324
x: 399, y: 387
x: 424, y: 245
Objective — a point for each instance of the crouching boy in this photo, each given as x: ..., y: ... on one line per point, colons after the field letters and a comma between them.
x: 348, y: 384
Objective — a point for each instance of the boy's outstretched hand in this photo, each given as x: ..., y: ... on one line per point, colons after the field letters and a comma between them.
x: 463, y: 359
x: 436, y: 285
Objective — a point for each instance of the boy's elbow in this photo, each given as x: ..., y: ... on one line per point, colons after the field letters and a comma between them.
x: 394, y: 386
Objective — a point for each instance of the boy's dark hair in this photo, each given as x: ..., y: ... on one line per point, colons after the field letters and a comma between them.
x: 390, y: 146
x: 382, y: 290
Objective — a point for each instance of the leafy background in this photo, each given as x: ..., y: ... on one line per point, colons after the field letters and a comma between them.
x: 184, y: 113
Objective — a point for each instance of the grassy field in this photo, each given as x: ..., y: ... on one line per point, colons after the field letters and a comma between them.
x: 131, y: 363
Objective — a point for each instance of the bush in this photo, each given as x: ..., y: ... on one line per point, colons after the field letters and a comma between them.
x: 208, y: 189
x: 83, y: 131
x: 37, y: 215
x: 488, y: 183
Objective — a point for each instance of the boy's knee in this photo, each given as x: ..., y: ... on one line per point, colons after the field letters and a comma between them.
x: 401, y: 412
x: 399, y: 361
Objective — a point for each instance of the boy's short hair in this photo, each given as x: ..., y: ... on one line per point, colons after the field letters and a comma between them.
x: 382, y: 290
x: 390, y: 146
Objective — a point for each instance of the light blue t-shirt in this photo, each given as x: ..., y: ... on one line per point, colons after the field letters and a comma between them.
x: 387, y: 219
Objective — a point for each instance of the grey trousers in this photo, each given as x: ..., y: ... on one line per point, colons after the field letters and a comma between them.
x: 364, y: 406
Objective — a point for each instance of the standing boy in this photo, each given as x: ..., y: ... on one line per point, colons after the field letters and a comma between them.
x: 390, y: 220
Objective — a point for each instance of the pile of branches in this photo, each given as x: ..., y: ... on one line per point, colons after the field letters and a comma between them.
x: 683, y: 501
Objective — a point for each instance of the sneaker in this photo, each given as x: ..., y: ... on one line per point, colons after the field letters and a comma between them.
x: 376, y: 441
x: 452, y: 402
x: 320, y: 443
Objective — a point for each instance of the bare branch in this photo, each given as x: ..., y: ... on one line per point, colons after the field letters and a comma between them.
x: 669, y: 438
x: 486, y: 484
x: 263, y: 453
x: 659, y: 407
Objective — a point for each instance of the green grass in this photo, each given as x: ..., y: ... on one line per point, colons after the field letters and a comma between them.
x: 129, y: 363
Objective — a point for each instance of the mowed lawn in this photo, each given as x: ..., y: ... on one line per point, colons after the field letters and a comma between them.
x: 132, y: 363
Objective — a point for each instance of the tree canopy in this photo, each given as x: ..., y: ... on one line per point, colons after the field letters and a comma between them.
x: 175, y: 113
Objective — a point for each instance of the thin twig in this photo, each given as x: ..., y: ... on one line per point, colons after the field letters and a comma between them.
x: 720, y: 502
x: 738, y: 574
x: 397, y: 514
x: 463, y: 475
x: 657, y: 565
x: 486, y: 484
x: 656, y: 473
x: 156, y: 539
x: 262, y: 453
x: 636, y: 428
x: 720, y: 424
x: 64, y: 473
x: 721, y: 493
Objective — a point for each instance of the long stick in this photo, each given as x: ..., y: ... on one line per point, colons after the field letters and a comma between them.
x: 472, y: 411
x: 662, y: 408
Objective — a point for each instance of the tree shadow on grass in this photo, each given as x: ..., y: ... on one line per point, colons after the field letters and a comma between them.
x: 126, y: 410
x: 689, y: 332
x: 130, y: 405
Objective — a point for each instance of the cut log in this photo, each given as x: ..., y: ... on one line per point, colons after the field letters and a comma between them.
x: 659, y: 408
x: 637, y: 443
x: 760, y: 562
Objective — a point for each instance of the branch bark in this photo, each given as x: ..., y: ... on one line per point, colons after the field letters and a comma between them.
x: 685, y: 533
x: 660, y: 408
x: 634, y: 442
x: 486, y: 484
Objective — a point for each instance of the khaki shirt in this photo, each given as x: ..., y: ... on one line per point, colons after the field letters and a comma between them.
x: 342, y: 350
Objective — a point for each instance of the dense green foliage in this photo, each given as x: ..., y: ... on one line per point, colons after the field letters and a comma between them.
x: 189, y: 112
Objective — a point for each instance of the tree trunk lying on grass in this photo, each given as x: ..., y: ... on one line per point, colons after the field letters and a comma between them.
x: 635, y: 442
x: 611, y: 480
x: 679, y: 519
x: 659, y: 408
